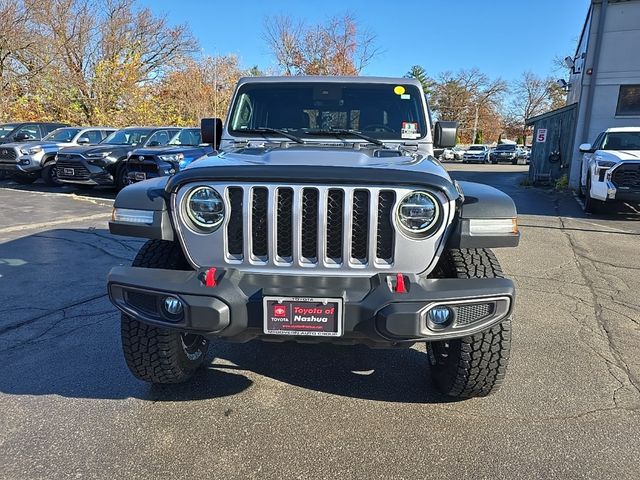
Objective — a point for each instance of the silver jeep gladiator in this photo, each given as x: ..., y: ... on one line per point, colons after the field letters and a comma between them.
x: 322, y: 216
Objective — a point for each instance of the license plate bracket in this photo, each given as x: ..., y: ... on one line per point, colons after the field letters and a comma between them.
x: 140, y: 176
x: 69, y: 171
x: 308, y: 316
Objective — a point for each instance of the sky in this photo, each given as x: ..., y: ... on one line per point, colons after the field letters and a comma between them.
x: 503, y: 38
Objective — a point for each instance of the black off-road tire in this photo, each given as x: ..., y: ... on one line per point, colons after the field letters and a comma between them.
x: 591, y: 205
x: 476, y: 365
x: 155, y: 354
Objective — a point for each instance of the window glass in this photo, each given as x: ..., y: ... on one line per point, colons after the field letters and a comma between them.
x: 187, y: 136
x: 62, y: 135
x: 621, y: 141
x: 32, y: 130
x: 160, y: 138
x: 6, y: 129
x: 628, y: 100
x: 383, y: 111
x: 94, y: 136
x: 128, y: 136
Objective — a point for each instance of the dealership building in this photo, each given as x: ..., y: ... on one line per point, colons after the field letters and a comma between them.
x: 603, y: 90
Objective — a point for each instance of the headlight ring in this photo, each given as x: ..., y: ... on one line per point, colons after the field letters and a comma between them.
x: 204, y: 207
x: 418, y: 213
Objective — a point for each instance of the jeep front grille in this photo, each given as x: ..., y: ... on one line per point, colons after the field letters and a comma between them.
x: 306, y: 228
x: 311, y: 225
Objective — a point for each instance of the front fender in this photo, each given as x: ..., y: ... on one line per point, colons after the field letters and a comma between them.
x: 146, y: 196
x: 487, y: 218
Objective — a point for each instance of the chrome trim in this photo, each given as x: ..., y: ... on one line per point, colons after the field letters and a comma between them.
x: 412, y: 255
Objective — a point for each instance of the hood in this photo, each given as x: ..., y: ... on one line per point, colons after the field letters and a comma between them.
x: 186, y: 150
x: 46, y: 145
x: 619, y: 155
x: 310, y: 155
x: 88, y: 149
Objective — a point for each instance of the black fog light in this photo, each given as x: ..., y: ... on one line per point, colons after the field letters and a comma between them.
x: 439, y: 317
x: 172, y: 308
x: 25, y: 161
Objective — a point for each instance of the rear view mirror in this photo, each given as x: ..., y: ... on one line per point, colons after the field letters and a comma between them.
x: 211, y: 130
x: 83, y: 141
x: 586, y: 148
x: 445, y: 134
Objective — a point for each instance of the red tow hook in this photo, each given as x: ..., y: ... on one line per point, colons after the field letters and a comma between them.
x: 210, y: 278
x: 400, y: 286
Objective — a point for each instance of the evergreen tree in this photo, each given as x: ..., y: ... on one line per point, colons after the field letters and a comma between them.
x: 420, y: 74
x: 479, y: 138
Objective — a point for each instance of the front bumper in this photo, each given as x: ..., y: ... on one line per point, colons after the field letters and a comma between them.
x: 373, y: 313
x: 84, y: 173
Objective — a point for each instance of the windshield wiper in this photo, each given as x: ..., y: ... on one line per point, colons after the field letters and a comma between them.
x: 288, y: 135
x: 348, y: 131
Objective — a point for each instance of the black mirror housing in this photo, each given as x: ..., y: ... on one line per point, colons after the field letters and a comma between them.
x: 19, y: 137
x: 211, y: 131
x: 445, y: 134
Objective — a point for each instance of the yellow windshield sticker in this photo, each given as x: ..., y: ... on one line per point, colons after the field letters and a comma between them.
x: 399, y: 90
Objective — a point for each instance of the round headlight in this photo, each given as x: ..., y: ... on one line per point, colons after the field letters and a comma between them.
x: 205, y: 208
x: 418, y: 212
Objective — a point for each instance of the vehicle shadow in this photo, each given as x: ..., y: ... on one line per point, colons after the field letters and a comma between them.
x: 40, y: 187
x: 63, y: 337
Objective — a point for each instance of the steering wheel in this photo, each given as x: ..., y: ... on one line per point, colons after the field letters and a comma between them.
x: 377, y: 126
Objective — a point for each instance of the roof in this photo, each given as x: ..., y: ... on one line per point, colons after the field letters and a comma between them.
x: 330, y: 79
x: 532, y: 120
x: 623, y: 129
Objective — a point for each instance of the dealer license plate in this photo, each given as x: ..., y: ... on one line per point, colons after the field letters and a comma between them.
x: 69, y: 172
x: 140, y: 176
x: 320, y: 317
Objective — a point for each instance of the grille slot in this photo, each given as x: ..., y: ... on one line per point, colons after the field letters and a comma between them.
x: 385, y: 233
x: 235, y: 236
x: 467, y: 314
x: 284, y: 225
x: 79, y: 170
x: 360, y: 227
x: 627, y: 176
x: 143, y: 167
x: 143, y: 301
x: 331, y: 228
x: 310, y: 224
x: 335, y: 202
x: 259, y: 222
x: 9, y: 154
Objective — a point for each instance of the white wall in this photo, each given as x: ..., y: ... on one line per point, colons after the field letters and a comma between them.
x: 619, y: 64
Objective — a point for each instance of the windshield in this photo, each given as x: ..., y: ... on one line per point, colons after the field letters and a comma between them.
x: 127, y: 137
x: 621, y: 141
x: 381, y: 111
x: 475, y: 148
x: 62, y: 135
x: 7, y: 128
x: 187, y: 137
x: 506, y: 147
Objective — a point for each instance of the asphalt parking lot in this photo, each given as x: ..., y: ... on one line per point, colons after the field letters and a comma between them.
x: 70, y: 409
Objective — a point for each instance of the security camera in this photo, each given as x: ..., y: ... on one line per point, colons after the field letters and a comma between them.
x: 568, y: 61
x: 562, y: 83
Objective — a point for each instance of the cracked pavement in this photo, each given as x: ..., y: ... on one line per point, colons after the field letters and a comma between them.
x: 570, y: 407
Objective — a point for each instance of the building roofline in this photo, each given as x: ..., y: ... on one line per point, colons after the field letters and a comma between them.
x: 537, y: 118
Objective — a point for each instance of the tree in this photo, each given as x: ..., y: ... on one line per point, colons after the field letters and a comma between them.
x: 420, y: 74
x: 531, y: 96
x: 471, y: 98
x: 336, y: 47
x: 479, y: 137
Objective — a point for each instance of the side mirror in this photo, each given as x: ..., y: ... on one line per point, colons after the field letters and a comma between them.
x: 83, y: 141
x: 445, y: 134
x: 586, y: 148
x: 211, y: 131
x: 21, y: 137
x: 155, y: 143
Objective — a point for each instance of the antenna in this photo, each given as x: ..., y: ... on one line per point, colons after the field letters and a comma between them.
x: 215, y: 98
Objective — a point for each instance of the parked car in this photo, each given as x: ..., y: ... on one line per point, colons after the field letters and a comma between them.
x: 15, y: 133
x: 476, y: 154
x: 506, y: 152
x: 458, y: 153
x: 103, y: 164
x: 611, y: 168
x: 447, y: 155
x: 309, y: 229
x: 37, y: 159
x: 185, y: 147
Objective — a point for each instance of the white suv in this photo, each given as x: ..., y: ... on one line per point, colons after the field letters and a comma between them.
x: 611, y: 168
